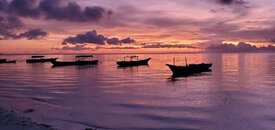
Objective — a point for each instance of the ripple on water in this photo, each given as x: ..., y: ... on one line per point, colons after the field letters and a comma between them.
x: 237, y: 94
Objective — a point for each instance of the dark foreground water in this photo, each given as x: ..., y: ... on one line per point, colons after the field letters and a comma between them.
x: 239, y: 93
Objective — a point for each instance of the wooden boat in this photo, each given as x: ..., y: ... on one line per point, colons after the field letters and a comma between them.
x: 189, y: 69
x: 40, y: 59
x: 4, y: 61
x: 79, y: 61
x: 132, y: 62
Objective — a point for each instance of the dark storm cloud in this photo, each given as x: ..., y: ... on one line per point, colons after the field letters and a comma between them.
x: 241, y: 47
x: 53, y: 9
x: 94, y: 38
x: 8, y: 26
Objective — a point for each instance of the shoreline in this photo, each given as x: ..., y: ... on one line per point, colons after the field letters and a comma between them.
x: 11, y: 120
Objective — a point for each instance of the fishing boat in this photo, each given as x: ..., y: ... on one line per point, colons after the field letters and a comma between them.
x: 132, y: 62
x: 3, y: 61
x: 189, y: 69
x: 79, y: 61
x: 40, y: 59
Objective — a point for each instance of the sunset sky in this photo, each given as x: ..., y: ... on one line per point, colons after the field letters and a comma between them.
x: 122, y: 26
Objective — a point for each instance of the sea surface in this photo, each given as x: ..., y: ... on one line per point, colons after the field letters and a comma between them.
x: 239, y: 93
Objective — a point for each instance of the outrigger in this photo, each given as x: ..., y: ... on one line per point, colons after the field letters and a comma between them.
x: 40, y: 59
x: 132, y: 62
x: 79, y: 61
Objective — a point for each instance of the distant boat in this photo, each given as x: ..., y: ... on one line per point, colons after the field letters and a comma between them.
x: 79, y: 61
x: 132, y: 62
x: 40, y: 59
x: 189, y: 69
x: 3, y: 61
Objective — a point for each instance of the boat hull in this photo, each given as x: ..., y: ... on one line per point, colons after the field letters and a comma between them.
x: 40, y: 60
x: 190, y: 69
x: 5, y: 61
x: 74, y: 63
x: 133, y: 63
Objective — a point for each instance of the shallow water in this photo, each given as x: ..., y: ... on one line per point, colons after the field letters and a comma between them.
x: 239, y: 93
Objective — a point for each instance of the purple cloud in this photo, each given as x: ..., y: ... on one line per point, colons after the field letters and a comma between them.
x: 228, y: 2
x: 241, y: 47
x: 94, y: 38
x: 88, y: 37
x: 114, y: 41
x: 9, y: 24
x: 76, y: 48
x: 33, y: 34
x: 53, y: 9
x: 127, y: 40
x: 160, y: 45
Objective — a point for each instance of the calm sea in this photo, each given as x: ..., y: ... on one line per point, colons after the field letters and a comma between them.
x: 239, y: 93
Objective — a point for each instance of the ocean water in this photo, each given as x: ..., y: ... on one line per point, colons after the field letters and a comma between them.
x: 239, y: 93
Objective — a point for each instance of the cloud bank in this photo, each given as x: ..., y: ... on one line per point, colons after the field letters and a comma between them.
x: 94, y: 38
x: 228, y: 2
x: 53, y: 9
x: 241, y: 47
x: 9, y: 25
x: 160, y: 45
x: 76, y: 48
x: 11, y: 12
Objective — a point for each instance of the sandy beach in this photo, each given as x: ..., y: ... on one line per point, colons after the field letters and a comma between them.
x: 11, y: 120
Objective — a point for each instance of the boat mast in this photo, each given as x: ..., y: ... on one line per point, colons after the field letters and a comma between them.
x: 174, y: 60
x: 186, y: 61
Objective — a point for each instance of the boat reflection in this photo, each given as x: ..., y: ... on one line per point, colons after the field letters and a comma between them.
x: 174, y: 78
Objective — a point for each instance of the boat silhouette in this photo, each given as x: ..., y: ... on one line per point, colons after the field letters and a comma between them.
x: 189, y: 69
x: 3, y: 61
x: 79, y: 61
x: 132, y: 62
x: 39, y: 59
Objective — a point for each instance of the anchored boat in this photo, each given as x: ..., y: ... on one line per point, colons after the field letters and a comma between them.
x: 132, y: 62
x: 189, y: 69
x: 3, y: 61
x: 79, y: 61
x: 40, y: 59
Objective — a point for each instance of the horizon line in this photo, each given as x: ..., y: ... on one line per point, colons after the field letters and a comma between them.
x: 130, y: 53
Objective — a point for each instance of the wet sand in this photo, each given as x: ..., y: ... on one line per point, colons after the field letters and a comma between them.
x: 10, y: 120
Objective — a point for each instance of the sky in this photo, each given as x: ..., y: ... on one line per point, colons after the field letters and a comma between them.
x: 133, y: 26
